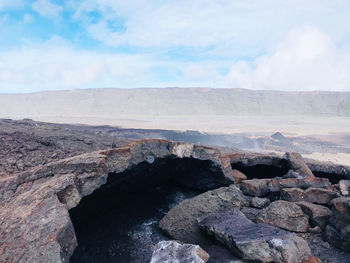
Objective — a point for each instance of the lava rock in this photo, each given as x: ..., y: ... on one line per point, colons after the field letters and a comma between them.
x: 285, y: 215
x: 341, y: 212
x: 255, y: 242
x: 338, y: 238
x: 344, y: 187
x: 258, y: 202
x: 263, y: 187
x: 298, y: 164
x: 259, y: 187
x: 293, y: 174
x: 250, y: 212
x: 318, y: 214
x: 319, y: 195
x: 311, y: 195
x: 174, y: 251
x: 181, y: 221
x: 338, y: 231
x: 292, y: 194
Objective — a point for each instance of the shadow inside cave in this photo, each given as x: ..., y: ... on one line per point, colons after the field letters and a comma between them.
x: 119, y: 221
x: 261, y: 171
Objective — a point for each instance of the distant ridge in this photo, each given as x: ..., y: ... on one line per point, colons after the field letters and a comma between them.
x: 173, y: 101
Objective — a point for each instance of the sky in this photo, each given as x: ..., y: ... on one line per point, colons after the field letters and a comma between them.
x: 254, y: 44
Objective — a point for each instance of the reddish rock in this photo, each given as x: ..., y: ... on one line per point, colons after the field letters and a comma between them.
x: 318, y: 214
x: 285, y: 215
x: 259, y: 187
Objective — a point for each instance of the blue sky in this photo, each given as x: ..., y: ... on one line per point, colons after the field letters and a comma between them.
x: 254, y: 44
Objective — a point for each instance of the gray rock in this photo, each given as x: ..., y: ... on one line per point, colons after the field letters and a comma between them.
x: 263, y: 187
x: 319, y: 195
x: 298, y: 164
x: 258, y: 202
x: 251, y: 213
x: 292, y: 194
x: 255, y: 242
x: 174, y: 251
x: 285, y: 215
x: 293, y: 174
x: 181, y: 221
x: 318, y: 214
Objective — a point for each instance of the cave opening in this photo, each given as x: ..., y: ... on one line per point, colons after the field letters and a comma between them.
x: 119, y: 221
x: 261, y: 171
x: 334, y: 178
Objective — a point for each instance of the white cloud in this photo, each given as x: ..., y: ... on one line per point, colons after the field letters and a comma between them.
x: 307, y: 59
x: 237, y: 27
x: 58, y: 65
x: 28, y: 18
x: 47, y: 9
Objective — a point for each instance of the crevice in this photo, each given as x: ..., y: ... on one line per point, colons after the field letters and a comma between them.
x: 334, y: 178
x: 261, y: 171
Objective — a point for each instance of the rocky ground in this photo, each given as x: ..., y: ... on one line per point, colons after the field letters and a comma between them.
x: 100, y: 194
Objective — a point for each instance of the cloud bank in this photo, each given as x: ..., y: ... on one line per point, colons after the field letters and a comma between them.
x: 280, y: 45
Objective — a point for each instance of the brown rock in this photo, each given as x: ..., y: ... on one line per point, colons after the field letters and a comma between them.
x: 318, y: 214
x: 259, y: 187
x: 285, y: 215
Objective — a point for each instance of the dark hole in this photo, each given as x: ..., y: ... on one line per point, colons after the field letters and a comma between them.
x: 332, y: 177
x: 119, y: 221
x: 261, y: 171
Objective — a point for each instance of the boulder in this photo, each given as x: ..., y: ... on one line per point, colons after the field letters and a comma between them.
x: 311, y: 195
x: 319, y: 195
x: 292, y: 194
x: 255, y: 242
x: 174, y: 251
x: 298, y: 164
x: 181, y: 221
x: 258, y: 202
x: 318, y: 214
x: 263, y: 187
x: 285, y: 215
x: 344, y: 187
x: 259, y: 187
